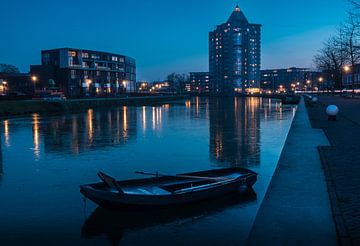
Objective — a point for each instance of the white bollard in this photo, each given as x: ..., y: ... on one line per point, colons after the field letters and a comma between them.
x: 314, y: 100
x: 332, y: 111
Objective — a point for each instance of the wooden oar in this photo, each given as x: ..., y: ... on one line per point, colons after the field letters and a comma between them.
x: 184, y: 176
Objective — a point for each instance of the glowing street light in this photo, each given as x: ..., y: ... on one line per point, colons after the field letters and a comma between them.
x: 34, y: 79
x: 4, y: 86
x: 347, y: 68
x: 88, y: 82
x: 321, y: 79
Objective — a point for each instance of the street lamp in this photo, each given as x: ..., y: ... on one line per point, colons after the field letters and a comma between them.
x: 308, y: 82
x: 34, y: 79
x: 4, y: 86
x: 124, y: 84
x: 347, y: 68
x: 321, y: 79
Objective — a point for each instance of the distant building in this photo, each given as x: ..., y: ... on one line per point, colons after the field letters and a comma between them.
x: 348, y: 78
x: 142, y: 86
x: 85, y: 72
x: 199, y: 82
x: 235, y: 55
x: 288, y: 79
x: 160, y: 87
x: 16, y: 83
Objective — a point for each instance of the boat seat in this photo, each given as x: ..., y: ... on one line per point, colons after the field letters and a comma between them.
x: 146, y: 191
x: 233, y: 176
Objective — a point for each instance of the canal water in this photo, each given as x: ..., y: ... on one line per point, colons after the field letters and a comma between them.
x: 44, y: 159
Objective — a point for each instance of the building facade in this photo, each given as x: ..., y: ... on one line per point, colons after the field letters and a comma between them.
x: 235, y: 55
x: 289, y: 79
x: 199, y: 82
x: 79, y: 73
x: 347, y: 78
x: 16, y: 83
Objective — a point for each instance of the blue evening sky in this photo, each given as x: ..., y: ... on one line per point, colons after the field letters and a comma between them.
x: 164, y: 36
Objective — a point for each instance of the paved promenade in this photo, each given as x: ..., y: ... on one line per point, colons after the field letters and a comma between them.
x: 342, y: 163
x: 296, y: 209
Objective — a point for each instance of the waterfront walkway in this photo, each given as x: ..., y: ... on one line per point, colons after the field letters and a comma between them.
x: 296, y: 208
x: 342, y: 163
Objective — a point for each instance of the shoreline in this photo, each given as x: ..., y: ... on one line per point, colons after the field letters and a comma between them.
x: 11, y: 109
x: 26, y: 107
x: 296, y: 208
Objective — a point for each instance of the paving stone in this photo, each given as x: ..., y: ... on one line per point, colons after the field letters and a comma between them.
x: 342, y: 161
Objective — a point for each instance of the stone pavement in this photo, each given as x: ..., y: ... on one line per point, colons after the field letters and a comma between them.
x: 296, y: 208
x: 341, y: 163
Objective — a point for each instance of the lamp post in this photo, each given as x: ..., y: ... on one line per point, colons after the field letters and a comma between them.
x: 321, y: 79
x: 34, y: 79
x: 308, y: 82
x: 347, y: 70
x: 124, y: 85
x: 4, y: 86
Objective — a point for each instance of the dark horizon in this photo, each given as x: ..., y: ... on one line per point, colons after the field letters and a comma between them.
x: 179, y: 45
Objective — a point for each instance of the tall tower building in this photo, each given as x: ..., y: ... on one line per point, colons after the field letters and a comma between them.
x: 235, y: 55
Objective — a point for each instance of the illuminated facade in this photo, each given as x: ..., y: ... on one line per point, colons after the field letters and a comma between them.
x: 15, y: 83
x: 289, y: 79
x: 235, y: 55
x: 86, y: 73
x: 347, y: 79
x: 199, y: 82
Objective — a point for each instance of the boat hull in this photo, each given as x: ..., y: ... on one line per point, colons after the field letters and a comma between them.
x: 113, y: 199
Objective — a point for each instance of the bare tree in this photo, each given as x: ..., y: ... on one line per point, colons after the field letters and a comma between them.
x: 351, y: 44
x: 177, y: 82
x: 6, y: 68
x: 356, y: 4
x: 332, y: 57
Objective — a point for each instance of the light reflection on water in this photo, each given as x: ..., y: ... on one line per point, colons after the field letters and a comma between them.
x: 44, y: 159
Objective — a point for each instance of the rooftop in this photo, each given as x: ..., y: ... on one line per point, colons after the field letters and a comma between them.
x: 237, y: 16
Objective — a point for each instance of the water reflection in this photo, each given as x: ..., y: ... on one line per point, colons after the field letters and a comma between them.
x: 93, y: 130
x: 6, y: 133
x: 143, y: 118
x: 113, y: 224
x: 36, y: 137
x: 174, y: 138
x: 235, y: 130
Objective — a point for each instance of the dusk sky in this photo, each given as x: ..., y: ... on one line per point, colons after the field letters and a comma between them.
x: 163, y: 36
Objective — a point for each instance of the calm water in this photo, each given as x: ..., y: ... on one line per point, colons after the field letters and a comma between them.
x: 44, y: 159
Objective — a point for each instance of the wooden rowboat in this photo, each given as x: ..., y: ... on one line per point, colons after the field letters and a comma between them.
x: 166, y: 190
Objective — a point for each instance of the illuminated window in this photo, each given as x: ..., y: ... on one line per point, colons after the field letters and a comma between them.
x: 72, y: 53
x: 93, y: 56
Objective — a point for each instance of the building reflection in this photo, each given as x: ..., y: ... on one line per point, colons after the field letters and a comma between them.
x: 92, y: 130
x: 235, y: 130
x: 35, y: 128
x: 143, y: 118
x: 6, y: 133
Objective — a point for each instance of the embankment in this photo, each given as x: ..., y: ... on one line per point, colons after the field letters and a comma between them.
x: 17, y: 108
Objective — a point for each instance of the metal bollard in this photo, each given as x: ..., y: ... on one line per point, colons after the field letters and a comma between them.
x: 332, y: 111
